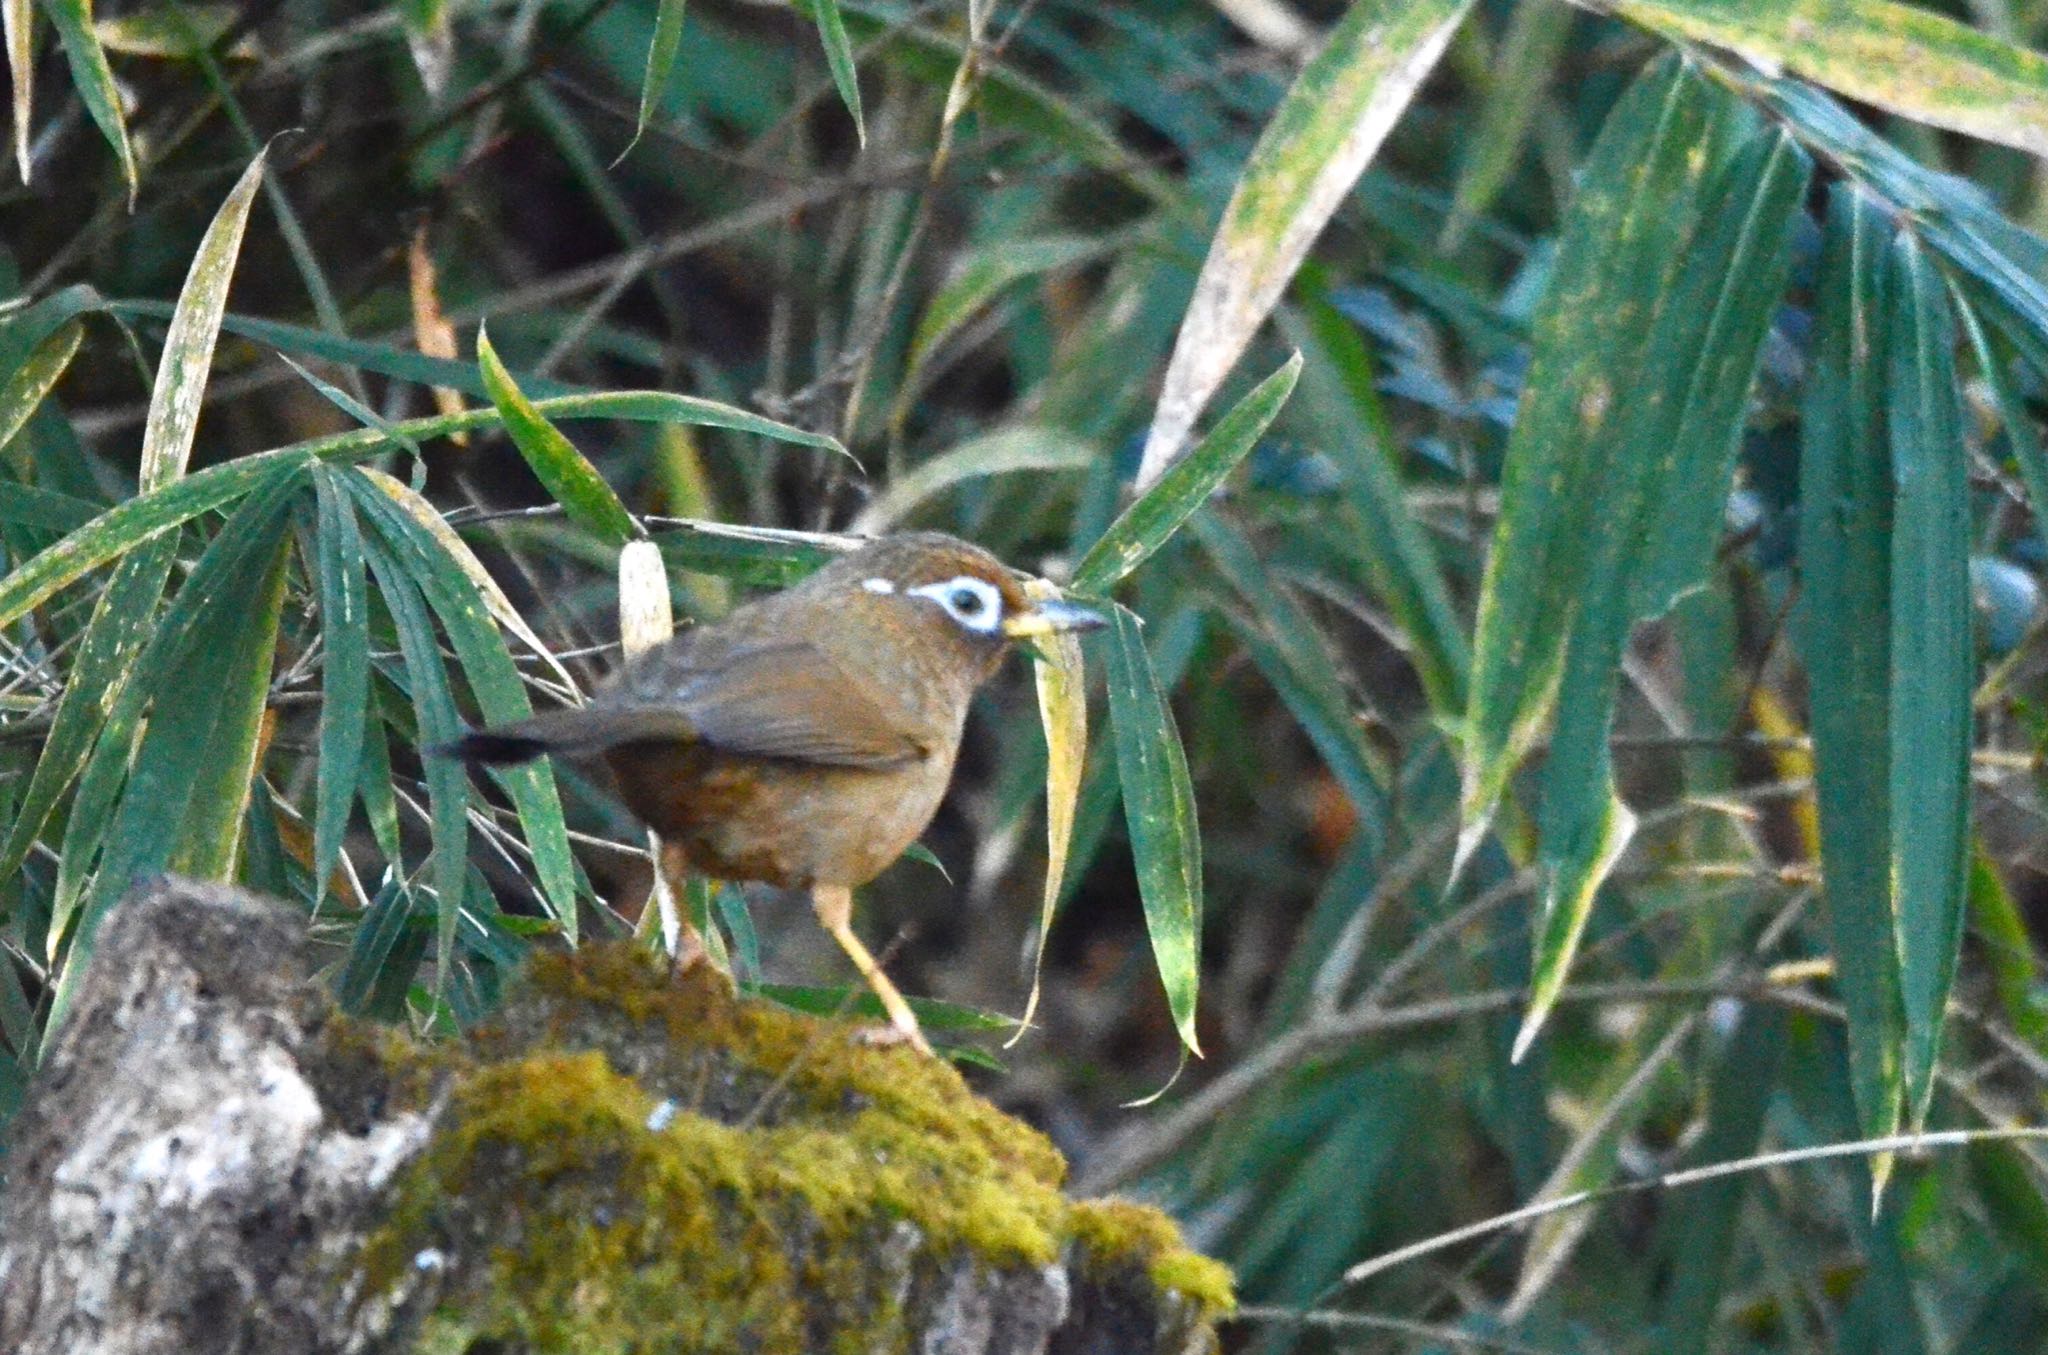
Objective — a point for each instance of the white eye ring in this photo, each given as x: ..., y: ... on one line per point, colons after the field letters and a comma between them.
x: 975, y: 603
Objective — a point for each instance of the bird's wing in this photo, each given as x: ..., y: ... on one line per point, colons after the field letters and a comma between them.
x: 780, y: 699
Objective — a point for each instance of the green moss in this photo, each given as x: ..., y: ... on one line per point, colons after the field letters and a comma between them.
x: 625, y: 1155
x: 1119, y: 1232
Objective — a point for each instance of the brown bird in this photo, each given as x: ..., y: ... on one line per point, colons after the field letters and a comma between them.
x: 807, y: 738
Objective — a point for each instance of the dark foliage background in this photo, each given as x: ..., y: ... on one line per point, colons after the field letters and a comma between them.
x: 1624, y: 294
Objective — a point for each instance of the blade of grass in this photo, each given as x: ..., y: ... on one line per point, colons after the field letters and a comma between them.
x: 1159, y: 812
x: 839, y: 60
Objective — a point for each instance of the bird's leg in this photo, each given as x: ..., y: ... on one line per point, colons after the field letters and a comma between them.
x: 679, y: 934
x: 834, y: 907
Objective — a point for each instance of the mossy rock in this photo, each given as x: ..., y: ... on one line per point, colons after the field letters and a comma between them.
x: 626, y: 1163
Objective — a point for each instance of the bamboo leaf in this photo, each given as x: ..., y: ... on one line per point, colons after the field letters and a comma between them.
x: 17, y: 20
x: 1571, y: 496
x: 121, y: 623
x: 1159, y: 811
x: 422, y: 511
x: 1282, y: 641
x: 33, y: 380
x: 1006, y: 452
x: 1525, y: 64
x: 206, y: 673
x: 370, y: 949
x: 492, y: 677
x: 136, y: 520
x: 1063, y: 711
x: 232, y: 556
x: 1338, y: 394
x: 569, y: 477
x: 223, y: 765
x: 839, y: 60
x: 180, y: 387
x: 1162, y: 507
x: 1933, y: 659
x: 94, y: 80
x: 662, y: 47
x: 1903, y: 58
x: 983, y: 276
x: 1845, y: 536
x: 434, y: 707
x: 344, y: 677
x: 1324, y: 133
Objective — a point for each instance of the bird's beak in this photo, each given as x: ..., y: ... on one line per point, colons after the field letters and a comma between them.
x: 1052, y: 616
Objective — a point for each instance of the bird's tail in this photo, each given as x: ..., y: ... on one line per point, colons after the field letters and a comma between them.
x: 574, y: 730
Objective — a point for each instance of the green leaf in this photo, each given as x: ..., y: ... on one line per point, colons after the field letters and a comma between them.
x: 33, y: 380
x: 494, y: 679
x: 1701, y: 1237
x: 981, y: 277
x: 2008, y: 950
x: 223, y: 764
x: 1338, y: 395
x: 345, y: 675
x: 859, y: 1002
x: 1063, y: 715
x: 1005, y: 452
x: 839, y: 60
x: 205, y: 674
x: 1933, y: 658
x: 1524, y: 65
x: 1159, y: 812
x: 1283, y: 641
x: 2022, y: 438
x: 1159, y: 510
x: 175, y: 399
x: 231, y: 556
x: 568, y: 475
x: 94, y: 79
x: 662, y: 47
x: 1321, y: 137
x: 369, y: 951
x: 1845, y: 540
x: 127, y: 525
x: 121, y: 623
x: 434, y: 707
x: 17, y: 18
x: 1571, y: 496
x: 1903, y: 58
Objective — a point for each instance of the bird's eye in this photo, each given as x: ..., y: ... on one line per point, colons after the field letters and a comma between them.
x: 974, y: 604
